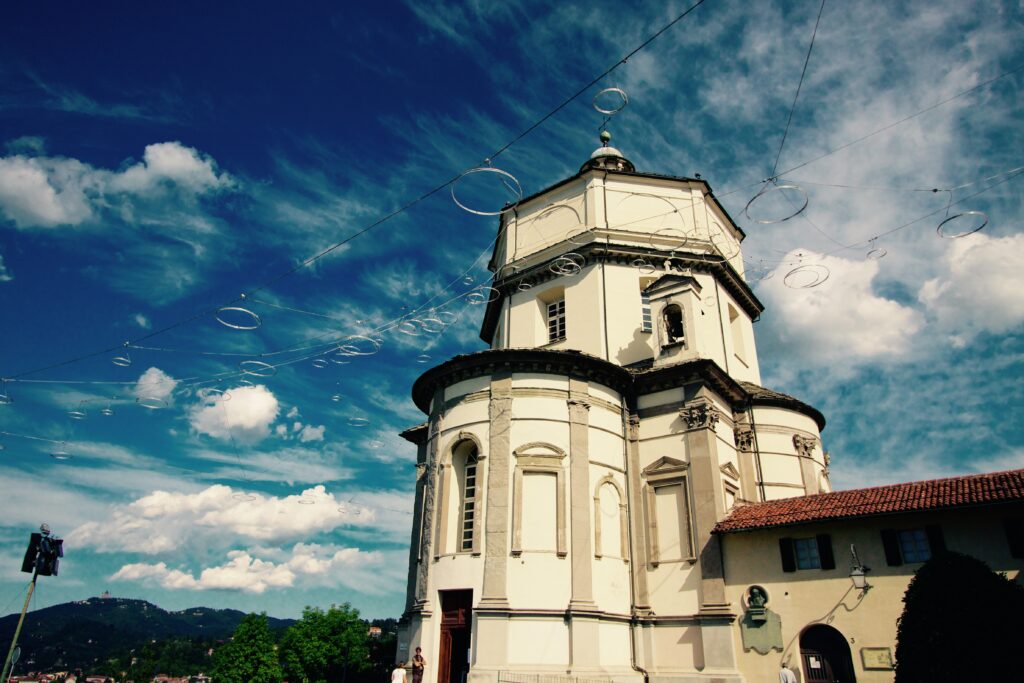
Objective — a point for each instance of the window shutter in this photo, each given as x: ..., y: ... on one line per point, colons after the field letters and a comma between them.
x: 788, y: 558
x: 891, y: 544
x: 1015, y: 536
x: 936, y: 542
x: 828, y: 560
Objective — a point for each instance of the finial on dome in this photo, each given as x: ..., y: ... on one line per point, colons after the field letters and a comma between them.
x: 607, y: 157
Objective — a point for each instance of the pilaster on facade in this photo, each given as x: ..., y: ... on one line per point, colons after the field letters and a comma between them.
x: 582, y: 593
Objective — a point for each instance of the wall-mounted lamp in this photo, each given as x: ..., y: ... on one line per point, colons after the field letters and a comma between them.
x: 858, y: 572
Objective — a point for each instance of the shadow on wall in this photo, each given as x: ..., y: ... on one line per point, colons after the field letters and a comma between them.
x: 638, y: 349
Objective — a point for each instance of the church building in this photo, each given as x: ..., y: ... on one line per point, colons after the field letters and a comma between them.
x: 578, y: 483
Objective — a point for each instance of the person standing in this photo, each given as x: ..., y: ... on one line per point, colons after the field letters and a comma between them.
x: 419, y: 664
x: 398, y: 675
x: 786, y: 675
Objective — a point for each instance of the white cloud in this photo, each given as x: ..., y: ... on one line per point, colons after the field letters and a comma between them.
x: 5, y: 275
x: 842, y: 319
x: 247, y: 573
x: 980, y: 290
x: 142, y: 321
x: 155, y: 383
x: 311, y: 433
x: 164, y: 521
x: 243, y: 413
x: 46, y: 192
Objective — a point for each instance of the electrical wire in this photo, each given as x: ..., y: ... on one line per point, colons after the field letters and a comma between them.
x: 380, y: 221
x: 799, y: 85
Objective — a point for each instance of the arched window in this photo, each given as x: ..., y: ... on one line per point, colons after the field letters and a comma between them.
x: 459, y: 500
x: 467, y: 516
x: 672, y: 319
x: 610, y: 539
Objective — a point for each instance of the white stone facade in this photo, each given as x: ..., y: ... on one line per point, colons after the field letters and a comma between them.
x: 569, y: 477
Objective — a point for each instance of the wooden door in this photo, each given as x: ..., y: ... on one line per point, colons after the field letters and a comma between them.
x: 456, y: 625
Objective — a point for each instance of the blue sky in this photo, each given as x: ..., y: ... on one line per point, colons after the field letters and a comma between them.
x: 157, y: 161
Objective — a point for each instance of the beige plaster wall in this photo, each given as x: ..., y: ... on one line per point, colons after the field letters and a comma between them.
x: 805, y: 597
x: 785, y: 472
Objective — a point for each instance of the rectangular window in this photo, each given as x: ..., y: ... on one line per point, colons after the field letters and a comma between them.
x: 914, y: 545
x: 646, y: 324
x: 806, y: 550
x: 540, y: 511
x: 739, y: 347
x: 469, y: 508
x: 556, y: 321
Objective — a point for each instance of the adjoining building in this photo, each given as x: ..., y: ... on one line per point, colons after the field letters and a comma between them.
x: 575, y: 482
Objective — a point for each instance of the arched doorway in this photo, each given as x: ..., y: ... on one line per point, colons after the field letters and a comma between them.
x: 826, y: 656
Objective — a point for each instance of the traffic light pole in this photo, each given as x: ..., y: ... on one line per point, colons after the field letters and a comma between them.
x: 8, y: 663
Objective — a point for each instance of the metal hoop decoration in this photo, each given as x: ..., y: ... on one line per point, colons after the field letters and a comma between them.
x: 358, y: 422
x: 722, y: 241
x: 567, y: 264
x: 319, y: 363
x: 244, y: 497
x: 342, y: 509
x: 482, y: 295
x: 257, y: 368
x: 336, y: 398
x: 467, y: 279
x: 579, y: 237
x: 339, y: 359
x: 611, y: 112
x: 107, y: 412
x: 151, y: 402
x: 446, y: 317
x: 245, y: 383
x: 358, y: 345
x: 643, y: 265
x: 761, y: 273
x: 77, y: 414
x: 505, y: 177
x: 60, y: 453
x: 875, y: 254
x: 423, y: 358
x: 248, y: 319
x: 306, y: 501
x: 212, y: 393
x: 524, y: 286
x: 409, y: 327
x: 432, y: 325
x: 776, y: 188
x: 5, y: 396
x: 376, y: 444
x: 124, y: 360
x: 967, y: 232
x: 666, y: 234
x: 818, y: 271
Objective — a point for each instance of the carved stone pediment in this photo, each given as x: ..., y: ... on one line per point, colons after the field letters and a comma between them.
x: 699, y: 415
x: 539, y: 449
x: 730, y: 470
x: 666, y: 465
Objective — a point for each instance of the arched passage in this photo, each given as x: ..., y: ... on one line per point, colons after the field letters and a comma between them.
x: 826, y: 655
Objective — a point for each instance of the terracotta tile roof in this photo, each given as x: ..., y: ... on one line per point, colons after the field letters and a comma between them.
x: 978, y: 489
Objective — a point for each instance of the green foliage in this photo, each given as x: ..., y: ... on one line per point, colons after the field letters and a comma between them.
x: 250, y: 656
x: 325, y: 646
x: 961, y: 621
x: 175, y: 656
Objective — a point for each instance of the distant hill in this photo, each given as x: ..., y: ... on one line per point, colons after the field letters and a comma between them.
x: 89, y: 632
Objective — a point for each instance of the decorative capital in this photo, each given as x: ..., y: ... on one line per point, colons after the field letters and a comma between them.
x: 634, y: 427
x: 575, y: 402
x: 699, y: 416
x: 804, y: 445
x: 744, y: 440
x: 421, y: 469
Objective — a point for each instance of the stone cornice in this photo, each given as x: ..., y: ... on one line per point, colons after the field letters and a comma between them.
x: 601, y: 252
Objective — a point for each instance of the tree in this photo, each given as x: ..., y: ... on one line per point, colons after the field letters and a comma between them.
x: 325, y: 646
x: 961, y: 621
x: 250, y: 655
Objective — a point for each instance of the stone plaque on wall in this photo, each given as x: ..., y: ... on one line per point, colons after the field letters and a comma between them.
x: 876, y: 658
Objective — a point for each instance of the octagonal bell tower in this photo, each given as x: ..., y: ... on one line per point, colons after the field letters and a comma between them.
x: 569, y: 477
